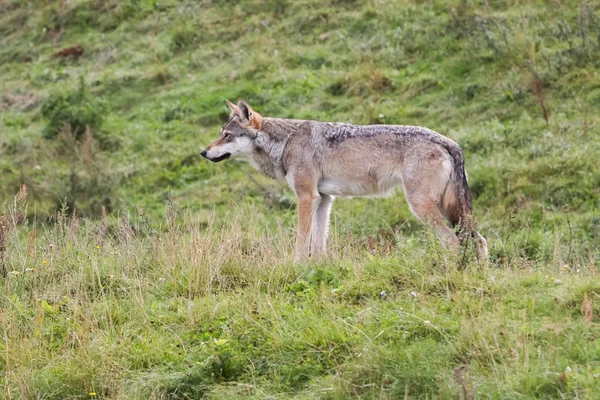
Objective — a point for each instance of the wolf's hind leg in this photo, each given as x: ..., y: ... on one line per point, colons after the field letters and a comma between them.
x: 424, y: 186
x: 320, y: 227
x: 427, y: 211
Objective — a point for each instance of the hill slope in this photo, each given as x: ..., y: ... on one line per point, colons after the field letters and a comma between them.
x: 147, y: 302
x: 484, y: 74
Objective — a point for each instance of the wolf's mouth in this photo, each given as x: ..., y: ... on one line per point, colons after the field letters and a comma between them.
x: 221, y: 158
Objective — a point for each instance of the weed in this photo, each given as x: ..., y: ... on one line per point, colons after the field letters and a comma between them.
x: 77, y: 109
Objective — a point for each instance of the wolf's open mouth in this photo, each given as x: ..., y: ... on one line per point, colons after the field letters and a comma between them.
x: 221, y: 158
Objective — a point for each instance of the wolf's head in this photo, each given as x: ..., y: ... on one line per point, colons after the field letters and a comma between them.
x: 237, y: 135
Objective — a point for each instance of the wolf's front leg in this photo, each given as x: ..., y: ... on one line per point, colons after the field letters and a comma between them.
x: 320, y: 227
x: 307, y: 204
x: 304, y: 182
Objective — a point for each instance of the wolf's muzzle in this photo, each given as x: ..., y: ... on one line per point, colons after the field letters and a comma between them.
x: 216, y: 159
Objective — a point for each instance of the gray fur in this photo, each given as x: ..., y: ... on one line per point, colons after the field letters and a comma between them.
x: 321, y: 160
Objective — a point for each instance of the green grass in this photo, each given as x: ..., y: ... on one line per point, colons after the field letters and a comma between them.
x: 200, y: 297
x: 220, y: 311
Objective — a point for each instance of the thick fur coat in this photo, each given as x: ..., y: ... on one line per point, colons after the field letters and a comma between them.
x: 322, y: 160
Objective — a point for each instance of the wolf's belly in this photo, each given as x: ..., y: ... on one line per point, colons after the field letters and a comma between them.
x: 359, y: 187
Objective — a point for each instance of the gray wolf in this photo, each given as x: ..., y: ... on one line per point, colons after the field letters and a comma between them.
x: 322, y: 160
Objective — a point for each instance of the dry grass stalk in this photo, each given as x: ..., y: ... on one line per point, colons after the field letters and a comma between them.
x: 103, y: 231
x: 587, y: 310
x: 3, y: 231
x: 537, y: 88
x: 31, y: 247
x: 125, y: 229
x: 74, y: 223
x: 7, y: 222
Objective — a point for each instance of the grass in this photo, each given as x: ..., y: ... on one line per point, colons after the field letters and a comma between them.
x: 190, y: 310
x: 136, y: 270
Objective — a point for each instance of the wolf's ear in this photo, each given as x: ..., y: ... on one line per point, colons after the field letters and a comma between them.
x: 245, y: 110
x: 234, y: 109
x: 248, y: 115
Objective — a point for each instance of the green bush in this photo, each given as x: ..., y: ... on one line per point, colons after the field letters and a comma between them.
x: 77, y: 109
x: 184, y: 36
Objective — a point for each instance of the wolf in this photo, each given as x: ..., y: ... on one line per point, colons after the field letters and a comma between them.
x: 322, y: 160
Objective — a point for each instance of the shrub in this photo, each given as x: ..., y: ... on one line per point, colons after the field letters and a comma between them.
x: 87, y: 184
x: 184, y: 36
x: 77, y: 109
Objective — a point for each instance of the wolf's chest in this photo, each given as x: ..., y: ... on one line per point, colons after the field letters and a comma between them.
x: 262, y: 162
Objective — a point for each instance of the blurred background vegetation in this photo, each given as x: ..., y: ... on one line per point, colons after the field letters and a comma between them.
x: 107, y: 104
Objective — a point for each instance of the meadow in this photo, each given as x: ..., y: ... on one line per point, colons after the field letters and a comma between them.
x: 131, y: 268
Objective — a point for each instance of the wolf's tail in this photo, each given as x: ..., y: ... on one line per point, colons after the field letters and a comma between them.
x: 457, y: 204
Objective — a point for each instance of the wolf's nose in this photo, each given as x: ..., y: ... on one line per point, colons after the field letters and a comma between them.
x: 203, y: 153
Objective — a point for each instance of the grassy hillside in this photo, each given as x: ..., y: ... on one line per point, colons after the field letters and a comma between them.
x: 193, y: 293
x: 219, y: 311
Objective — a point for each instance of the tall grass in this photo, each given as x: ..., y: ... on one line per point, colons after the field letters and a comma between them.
x: 128, y: 308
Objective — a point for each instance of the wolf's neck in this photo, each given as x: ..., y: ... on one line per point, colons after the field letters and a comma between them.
x: 280, y: 128
x: 270, y: 144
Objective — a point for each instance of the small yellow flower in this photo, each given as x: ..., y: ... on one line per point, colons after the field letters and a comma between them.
x: 97, y: 246
x: 92, y: 394
x: 44, y: 261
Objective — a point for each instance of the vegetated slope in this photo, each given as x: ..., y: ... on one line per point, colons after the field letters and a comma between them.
x: 219, y: 311
x: 486, y: 74
x: 130, y: 307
